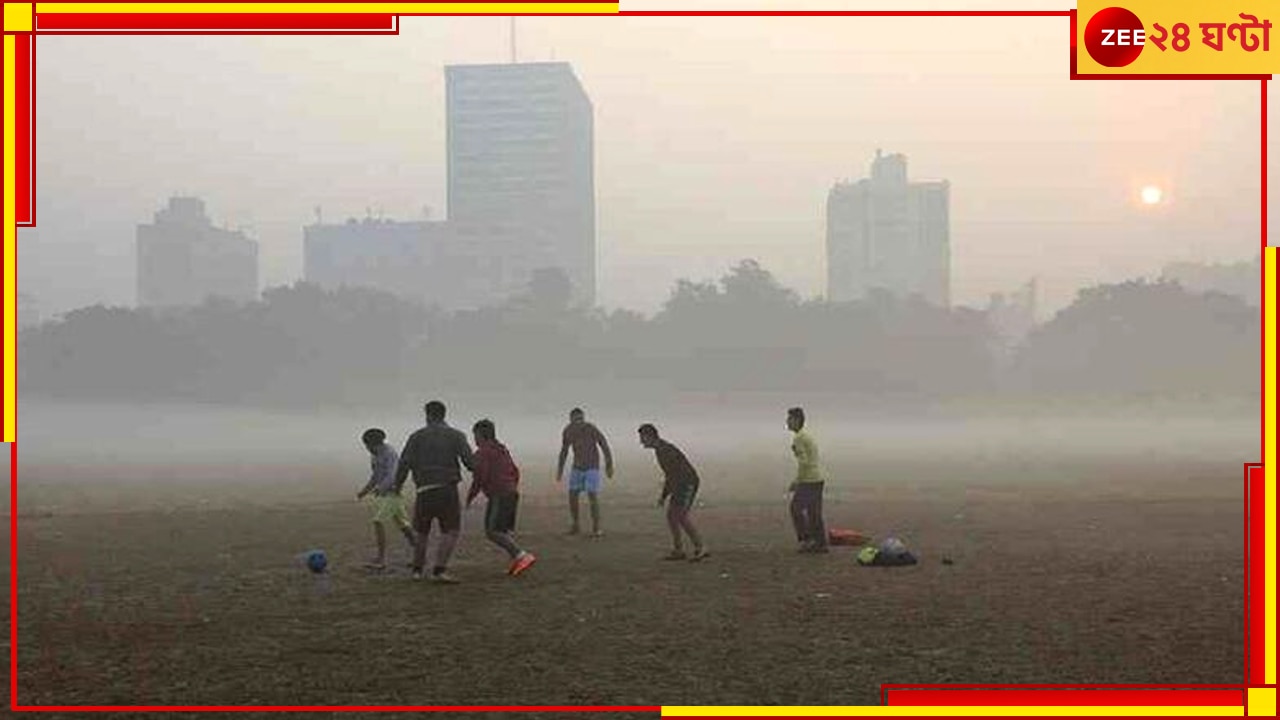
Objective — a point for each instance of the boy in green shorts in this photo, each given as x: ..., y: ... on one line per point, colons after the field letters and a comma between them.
x: 386, y: 503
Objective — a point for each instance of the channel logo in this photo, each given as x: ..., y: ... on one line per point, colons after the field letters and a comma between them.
x: 1114, y: 37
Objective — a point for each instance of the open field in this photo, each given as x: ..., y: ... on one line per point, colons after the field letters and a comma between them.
x: 1085, y: 583
x: 160, y: 583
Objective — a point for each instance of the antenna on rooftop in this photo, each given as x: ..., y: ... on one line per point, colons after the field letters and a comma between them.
x: 319, y: 216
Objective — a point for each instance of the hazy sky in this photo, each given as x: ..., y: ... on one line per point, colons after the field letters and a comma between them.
x: 716, y: 139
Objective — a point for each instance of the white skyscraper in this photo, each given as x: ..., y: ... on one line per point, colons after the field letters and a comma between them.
x: 885, y: 233
x: 521, y: 170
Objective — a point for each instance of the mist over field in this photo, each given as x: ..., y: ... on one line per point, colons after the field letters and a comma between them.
x: 103, y: 435
x: 163, y: 543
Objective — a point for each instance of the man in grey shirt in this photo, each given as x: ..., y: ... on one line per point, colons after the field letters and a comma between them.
x: 433, y: 454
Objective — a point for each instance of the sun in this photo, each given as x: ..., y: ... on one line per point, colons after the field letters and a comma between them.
x: 1152, y: 195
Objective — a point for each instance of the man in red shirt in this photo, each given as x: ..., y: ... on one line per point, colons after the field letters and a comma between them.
x: 497, y: 476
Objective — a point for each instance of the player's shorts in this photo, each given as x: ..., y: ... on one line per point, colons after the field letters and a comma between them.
x: 584, y: 480
x: 683, y: 497
x: 500, y: 514
x: 389, y: 509
x: 441, y: 504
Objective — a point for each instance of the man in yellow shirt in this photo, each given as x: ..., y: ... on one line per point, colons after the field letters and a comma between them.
x: 806, y: 491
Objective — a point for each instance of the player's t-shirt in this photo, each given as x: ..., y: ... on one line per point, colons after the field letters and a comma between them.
x: 496, y: 472
x: 586, y: 440
x: 806, y: 452
x: 383, y: 464
x: 679, y: 472
x: 433, y: 454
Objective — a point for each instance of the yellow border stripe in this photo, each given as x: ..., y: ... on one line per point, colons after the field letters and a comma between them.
x: 10, y: 235
x: 392, y: 8
x: 1262, y: 701
x: 954, y: 711
x: 1269, y: 458
x: 17, y: 17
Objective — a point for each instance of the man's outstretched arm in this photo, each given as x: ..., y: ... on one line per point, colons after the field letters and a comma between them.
x: 608, y: 454
x: 564, y: 455
x: 368, y: 487
x: 479, y: 477
x: 465, y: 455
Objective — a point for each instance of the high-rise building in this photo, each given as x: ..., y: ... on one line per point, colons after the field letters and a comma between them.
x: 444, y: 264
x: 887, y: 233
x: 386, y: 255
x: 183, y: 259
x: 521, y: 198
x: 521, y: 169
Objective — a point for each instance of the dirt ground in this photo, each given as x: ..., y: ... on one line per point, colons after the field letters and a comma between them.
x: 155, y: 584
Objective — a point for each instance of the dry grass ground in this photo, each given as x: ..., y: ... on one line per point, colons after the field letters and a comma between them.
x: 182, y: 584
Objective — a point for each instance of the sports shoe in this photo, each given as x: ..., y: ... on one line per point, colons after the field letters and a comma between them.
x: 675, y: 555
x: 417, y: 575
x: 699, y: 555
x: 597, y: 534
x: 523, y: 561
x: 444, y: 578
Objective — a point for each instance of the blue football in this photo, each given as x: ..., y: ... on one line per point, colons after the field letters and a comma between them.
x: 317, y: 561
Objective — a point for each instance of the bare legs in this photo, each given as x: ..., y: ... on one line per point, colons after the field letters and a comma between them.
x: 573, y: 511
x: 593, y: 503
x: 505, y: 541
x: 448, y: 541
x: 380, y: 535
x: 680, y: 523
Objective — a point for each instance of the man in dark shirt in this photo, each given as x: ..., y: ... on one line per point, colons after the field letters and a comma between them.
x: 587, y: 441
x: 679, y: 489
x: 433, y: 454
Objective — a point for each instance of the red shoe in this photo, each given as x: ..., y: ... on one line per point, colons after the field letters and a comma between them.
x: 523, y: 561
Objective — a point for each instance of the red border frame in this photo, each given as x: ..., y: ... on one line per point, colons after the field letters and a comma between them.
x: 323, y: 23
x: 25, y: 127
x: 214, y: 23
x: 1255, y: 569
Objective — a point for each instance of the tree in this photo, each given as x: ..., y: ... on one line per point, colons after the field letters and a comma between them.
x: 749, y: 284
x: 1139, y: 337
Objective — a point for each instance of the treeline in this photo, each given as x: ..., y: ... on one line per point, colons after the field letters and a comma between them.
x: 301, y: 345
